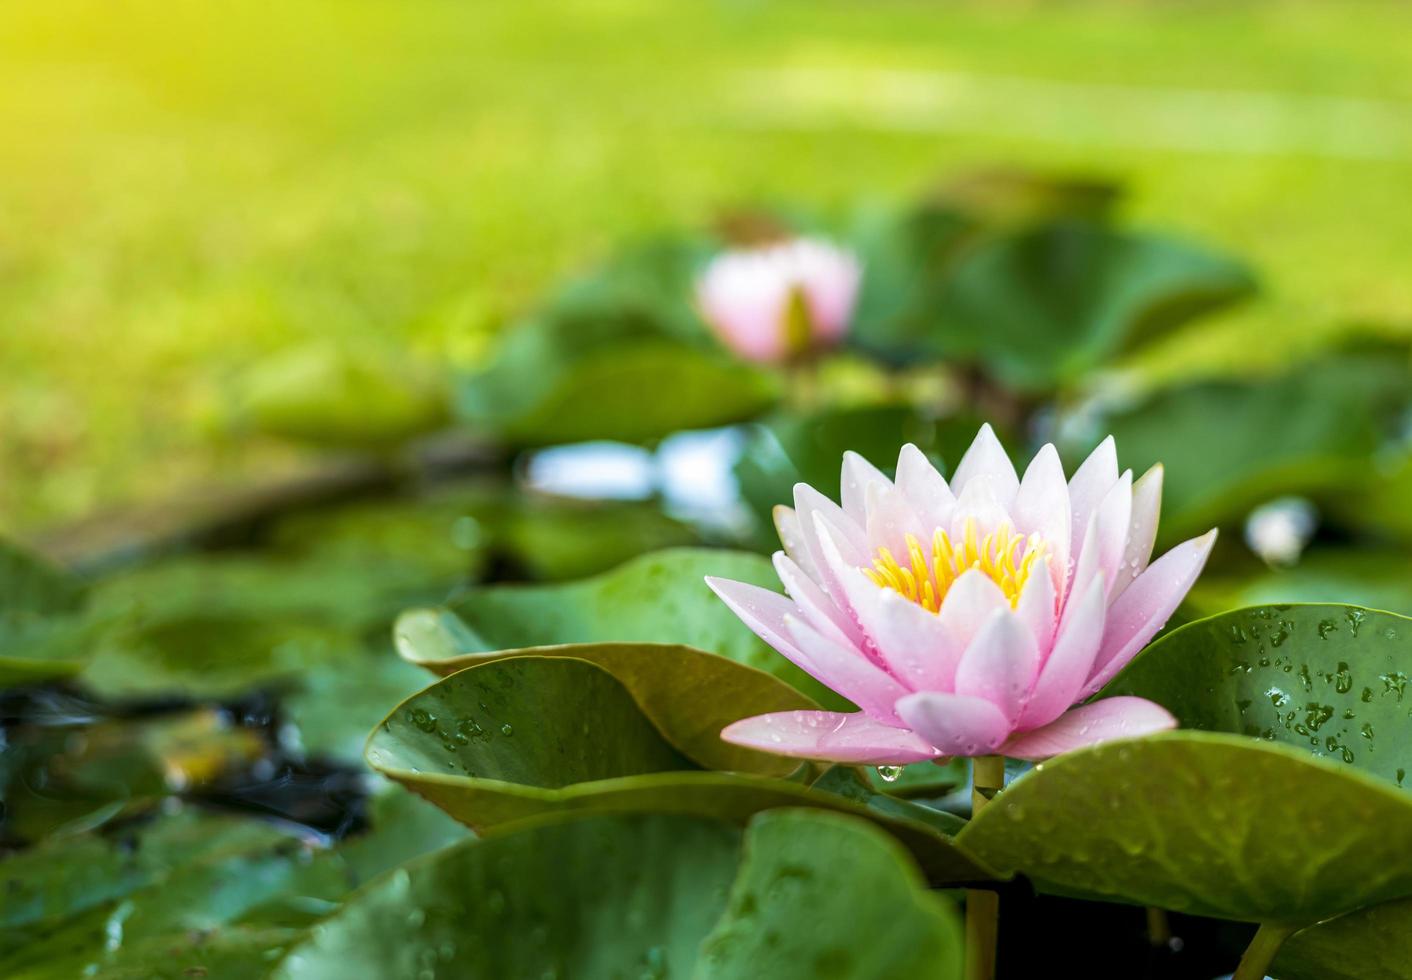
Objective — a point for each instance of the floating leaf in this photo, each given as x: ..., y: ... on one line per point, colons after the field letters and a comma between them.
x: 648, y: 895
x: 544, y: 389
x: 1230, y: 445
x: 1331, y: 680
x: 1047, y: 305
x: 593, y: 897
x: 335, y: 396
x: 656, y: 598
x: 689, y: 695
x: 1369, y: 944
x: 821, y: 894
x: 528, y: 736
x: 44, y: 634
x: 173, y: 894
x: 1380, y: 578
x: 1206, y: 824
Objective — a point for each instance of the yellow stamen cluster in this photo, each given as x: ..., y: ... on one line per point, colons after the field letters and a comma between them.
x: 1004, y: 556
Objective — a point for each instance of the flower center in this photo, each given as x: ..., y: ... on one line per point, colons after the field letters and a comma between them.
x: 1004, y: 556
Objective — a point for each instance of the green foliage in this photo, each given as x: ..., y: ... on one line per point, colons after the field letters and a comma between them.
x: 656, y: 598
x: 1369, y: 944
x: 1328, y: 679
x: 44, y: 633
x: 171, y: 895
x: 651, y: 895
x: 1228, y: 445
x: 1045, y: 307
x: 514, y: 739
x: 1181, y: 820
x: 1204, y: 823
x: 344, y: 398
x: 690, y: 695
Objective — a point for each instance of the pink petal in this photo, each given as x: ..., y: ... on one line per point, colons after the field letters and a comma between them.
x: 845, y: 670
x: 1146, y: 605
x: 761, y: 610
x: 910, y: 642
x: 987, y: 457
x: 1090, y: 724
x: 839, y: 667
x: 1101, y: 553
x: 1037, y: 607
x: 955, y: 723
x: 1070, y: 662
x: 890, y: 519
x: 1042, y: 507
x: 814, y: 604
x: 1000, y: 665
x: 980, y: 501
x: 925, y: 488
x: 792, y: 537
x: 858, y: 475
x: 969, y: 602
x: 1090, y: 484
x: 829, y: 736
x: 810, y: 505
x: 1142, y: 533
x: 1113, y: 518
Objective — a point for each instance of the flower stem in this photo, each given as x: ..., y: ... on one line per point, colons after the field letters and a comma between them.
x: 983, y: 906
x: 1261, y: 952
x: 1159, y: 930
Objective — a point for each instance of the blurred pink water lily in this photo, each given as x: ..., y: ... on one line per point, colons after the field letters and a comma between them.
x: 773, y: 303
x: 968, y: 618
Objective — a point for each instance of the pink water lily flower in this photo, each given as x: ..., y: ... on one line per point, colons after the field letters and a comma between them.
x: 773, y: 303
x: 968, y: 618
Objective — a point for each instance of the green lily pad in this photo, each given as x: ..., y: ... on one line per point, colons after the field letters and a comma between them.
x: 555, y: 540
x: 44, y: 634
x: 170, y: 894
x: 652, y: 896
x: 688, y: 694
x: 336, y: 396
x: 1203, y: 823
x: 1379, y: 578
x: 513, y: 739
x: 816, y: 867
x: 656, y: 598
x: 1370, y: 944
x: 1229, y: 445
x: 542, y: 390
x: 1331, y: 680
x: 150, y: 885
x: 593, y: 897
x: 1044, y: 306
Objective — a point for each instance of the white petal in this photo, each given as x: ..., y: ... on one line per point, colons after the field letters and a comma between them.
x: 1090, y: 484
x: 987, y: 457
x: 1042, y: 507
x: 1142, y: 532
x: 926, y: 489
x: 857, y: 476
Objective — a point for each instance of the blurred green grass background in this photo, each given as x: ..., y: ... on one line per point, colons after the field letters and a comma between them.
x: 185, y: 189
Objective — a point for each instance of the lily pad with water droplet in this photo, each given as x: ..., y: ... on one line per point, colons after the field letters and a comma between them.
x: 580, y: 742
x: 1205, y: 823
x: 1331, y: 680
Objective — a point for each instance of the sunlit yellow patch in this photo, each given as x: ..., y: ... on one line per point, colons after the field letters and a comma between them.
x: 1004, y: 556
